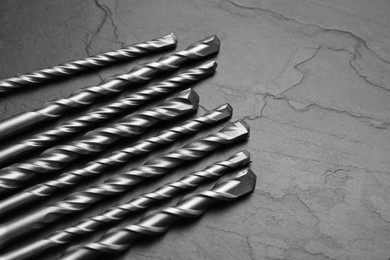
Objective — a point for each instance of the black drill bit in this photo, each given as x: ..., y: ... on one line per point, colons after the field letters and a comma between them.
x: 102, y: 114
x: 58, y: 157
x: 155, y: 223
x: 110, y: 86
x: 121, y: 183
x: 93, y: 62
x: 94, y: 168
x: 138, y: 203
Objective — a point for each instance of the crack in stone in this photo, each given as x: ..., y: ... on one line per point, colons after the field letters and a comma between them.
x: 255, y: 117
x: 368, y: 120
x: 319, y: 27
x: 251, y: 251
x: 107, y: 15
x: 204, y: 108
x: 367, y: 170
x: 296, y: 67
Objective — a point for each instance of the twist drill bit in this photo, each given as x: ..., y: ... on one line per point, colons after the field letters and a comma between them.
x: 93, y: 62
x: 94, y: 168
x: 69, y: 128
x: 141, y: 202
x: 110, y: 86
x: 119, y: 239
x: 117, y: 184
x: 96, y: 141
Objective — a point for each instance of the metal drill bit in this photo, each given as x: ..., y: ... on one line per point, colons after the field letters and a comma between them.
x: 138, y: 203
x: 130, y: 102
x: 121, y: 183
x: 96, y: 141
x: 94, y: 168
x: 93, y: 62
x: 155, y: 223
x: 110, y: 86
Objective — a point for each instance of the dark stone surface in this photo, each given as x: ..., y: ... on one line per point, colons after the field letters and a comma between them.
x: 311, y: 77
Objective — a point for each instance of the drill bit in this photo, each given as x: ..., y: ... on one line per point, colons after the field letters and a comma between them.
x: 58, y: 157
x: 94, y: 168
x: 141, y: 202
x: 110, y: 86
x: 155, y: 223
x: 93, y: 62
x: 130, y: 102
x: 121, y: 183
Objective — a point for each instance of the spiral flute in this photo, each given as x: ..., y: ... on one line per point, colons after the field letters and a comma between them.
x: 102, y: 114
x: 136, y: 204
x: 93, y: 142
x: 119, y: 239
x: 94, y: 168
x: 120, y: 183
x: 93, y: 62
x: 110, y: 86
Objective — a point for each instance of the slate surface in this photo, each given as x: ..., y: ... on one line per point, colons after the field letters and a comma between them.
x: 311, y: 77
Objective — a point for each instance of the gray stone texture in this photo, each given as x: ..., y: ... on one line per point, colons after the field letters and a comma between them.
x: 311, y: 78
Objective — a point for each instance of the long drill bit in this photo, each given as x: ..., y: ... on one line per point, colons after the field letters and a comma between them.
x: 155, y: 223
x: 127, y: 104
x: 138, y: 203
x: 121, y: 183
x: 94, y: 168
x: 93, y: 62
x: 96, y: 141
x: 110, y: 86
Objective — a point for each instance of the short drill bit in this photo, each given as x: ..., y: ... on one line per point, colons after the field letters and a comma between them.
x: 121, y: 183
x: 141, y: 202
x: 110, y: 86
x: 96, y: 141
x: 155, y: 223
x: 93, y: 62
x: 102, y: 114
x: 94, y: 168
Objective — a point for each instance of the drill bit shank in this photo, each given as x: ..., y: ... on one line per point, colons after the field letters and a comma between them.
x: 69, y: 128
x: 93, y: 62
x: 119, y: 239
x: 118, y: 184
x: 136, y: 204
x: 110, y: 86
x: 142, y: 147
x: 96, y: 141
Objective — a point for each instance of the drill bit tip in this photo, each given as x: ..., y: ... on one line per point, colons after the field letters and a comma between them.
x: 226, y: 110
x: 244, y: 157
x: 191, y: 96
x: 212, y: 65
x: 245, y: 183
x: 170, y: 38
x: 212, y: 42
x: 236, y: 131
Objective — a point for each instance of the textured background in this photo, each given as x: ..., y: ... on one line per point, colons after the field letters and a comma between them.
x: 311, y: 77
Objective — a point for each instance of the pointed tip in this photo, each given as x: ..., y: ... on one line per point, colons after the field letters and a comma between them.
x: 167, y: 41
x: 192, y: 97
x: 212, y: 40
x: 214, y: 44
x: 246, y: 153
x: 238, y: 185
x: 212, y: 65
x: 240, y: 159
x: 236, y: 131
x: 173, y: 37
x: 207, y: 46
x: 247, y: 183
x: 225, y: 112
x: 244, y: 124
